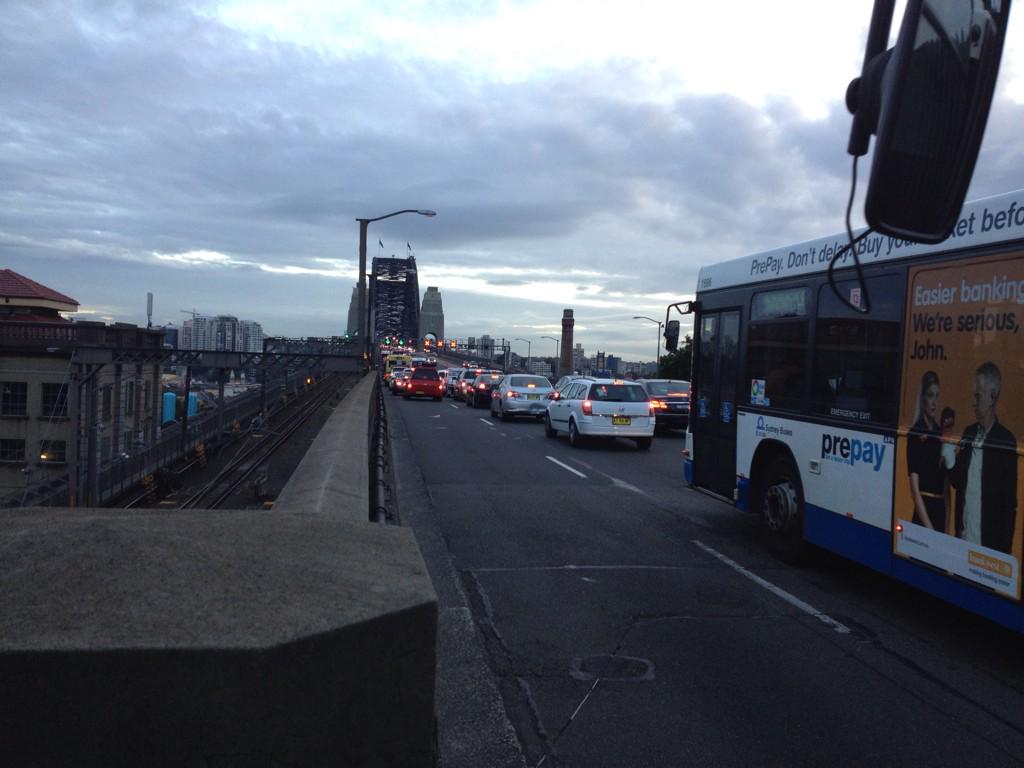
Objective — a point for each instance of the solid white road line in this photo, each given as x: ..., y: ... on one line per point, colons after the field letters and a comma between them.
x: 777, y: 591
x: 614, y: 480
x: 485, y: 421
x: 566, y: 467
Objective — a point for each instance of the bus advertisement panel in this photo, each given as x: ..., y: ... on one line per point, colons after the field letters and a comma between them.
x: 958, y: 498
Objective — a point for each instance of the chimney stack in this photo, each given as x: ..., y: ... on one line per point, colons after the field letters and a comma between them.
x: 565, y: 361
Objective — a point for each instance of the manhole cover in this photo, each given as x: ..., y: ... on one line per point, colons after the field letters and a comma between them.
x: 612, y: 668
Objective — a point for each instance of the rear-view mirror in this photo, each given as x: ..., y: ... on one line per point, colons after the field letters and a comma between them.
x: 928, y: 100
x: 672, y: 335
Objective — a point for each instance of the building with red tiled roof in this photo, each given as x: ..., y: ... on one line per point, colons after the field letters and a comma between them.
x: 25, y: 300
x: 47, y: 400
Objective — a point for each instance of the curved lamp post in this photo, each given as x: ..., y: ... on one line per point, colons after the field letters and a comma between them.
x: 657, y: 346
x: 527, y: 352
x: 364, y: 326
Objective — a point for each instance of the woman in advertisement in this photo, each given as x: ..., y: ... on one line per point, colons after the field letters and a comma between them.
x: 925, y: 466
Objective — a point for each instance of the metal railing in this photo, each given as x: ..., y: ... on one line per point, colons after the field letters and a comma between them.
x: 383, y: 499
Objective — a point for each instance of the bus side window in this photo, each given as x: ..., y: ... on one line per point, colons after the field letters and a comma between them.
x: 777, y: 346
x: 776, y: 354
x: 857, y: 356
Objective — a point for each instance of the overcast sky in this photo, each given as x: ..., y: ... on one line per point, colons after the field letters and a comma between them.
x: 590, y: 155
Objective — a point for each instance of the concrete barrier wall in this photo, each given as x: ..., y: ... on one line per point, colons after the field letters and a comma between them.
x: 301, y: 637
x: 333, y: 478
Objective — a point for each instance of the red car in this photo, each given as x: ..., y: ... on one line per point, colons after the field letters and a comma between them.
x: 424, y: 382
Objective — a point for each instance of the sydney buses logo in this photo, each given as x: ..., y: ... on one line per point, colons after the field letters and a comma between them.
x: 764, y: 428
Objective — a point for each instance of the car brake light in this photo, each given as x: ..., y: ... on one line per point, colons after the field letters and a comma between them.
x: 659, y: 404
x: 588, y: 408
x: 511, y: 393
x: 555, y: 396
x: 650, y: 409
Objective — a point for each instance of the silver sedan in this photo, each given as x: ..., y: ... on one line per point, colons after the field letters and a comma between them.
x: 521, y: 394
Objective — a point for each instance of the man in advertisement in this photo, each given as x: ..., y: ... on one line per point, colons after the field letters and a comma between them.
x: 983, y: 469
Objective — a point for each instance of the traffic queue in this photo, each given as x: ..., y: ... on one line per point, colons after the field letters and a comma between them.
x: 582, y: 407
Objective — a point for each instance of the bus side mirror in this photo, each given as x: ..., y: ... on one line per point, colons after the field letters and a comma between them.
x: 672, y: 335
x: 928, y: 100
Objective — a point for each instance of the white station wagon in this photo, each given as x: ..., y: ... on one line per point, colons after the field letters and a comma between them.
x: 601, y: 408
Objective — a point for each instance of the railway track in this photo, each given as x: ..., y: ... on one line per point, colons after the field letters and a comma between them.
x: 254, y: 451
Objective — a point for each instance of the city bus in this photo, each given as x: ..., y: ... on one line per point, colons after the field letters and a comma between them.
x: 879, y: 417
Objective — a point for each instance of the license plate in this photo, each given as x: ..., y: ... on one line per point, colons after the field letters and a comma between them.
x: 533, y: 397
x: 419, y: 392
x: 620, y: 420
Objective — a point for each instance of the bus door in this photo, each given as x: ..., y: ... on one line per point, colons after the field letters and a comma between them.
x: 713, y: 414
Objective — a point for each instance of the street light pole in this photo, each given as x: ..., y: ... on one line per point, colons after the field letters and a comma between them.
x: 527, y: 351
x: 657, y: 346
x: 558, y: 342
x: 364, y: 224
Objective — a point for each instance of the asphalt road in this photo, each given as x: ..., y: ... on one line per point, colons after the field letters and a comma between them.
x: 627, y: 620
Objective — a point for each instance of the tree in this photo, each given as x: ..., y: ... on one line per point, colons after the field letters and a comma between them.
x: 676, y: 365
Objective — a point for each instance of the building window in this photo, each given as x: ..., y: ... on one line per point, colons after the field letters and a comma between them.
x: 129, y: 398
x: 53, y: 451
x: 14, y: 399
x: 12, y: 450
x: 55, y: 401
x: 106, y: 448
x: 106, y: 400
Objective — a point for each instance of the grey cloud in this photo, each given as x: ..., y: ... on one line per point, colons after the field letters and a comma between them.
x: 144, y: 127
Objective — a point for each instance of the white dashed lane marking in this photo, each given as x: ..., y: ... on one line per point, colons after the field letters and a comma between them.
x: 566, y: 467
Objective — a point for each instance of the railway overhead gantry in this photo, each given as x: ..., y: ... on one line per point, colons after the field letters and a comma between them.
x: 279, y: 358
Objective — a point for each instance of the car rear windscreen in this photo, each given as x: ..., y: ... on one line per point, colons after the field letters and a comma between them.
x: 428, y: 374
x: 527, y: 381
x: 666, y: 388
x: 618, y: 393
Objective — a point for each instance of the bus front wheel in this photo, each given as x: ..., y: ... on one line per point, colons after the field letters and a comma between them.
x: 781, y: 506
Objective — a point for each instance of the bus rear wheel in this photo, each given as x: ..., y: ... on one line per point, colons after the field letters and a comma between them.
x: 780, y: 503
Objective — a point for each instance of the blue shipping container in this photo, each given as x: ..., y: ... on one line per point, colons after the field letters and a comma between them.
x: 169, y: 402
